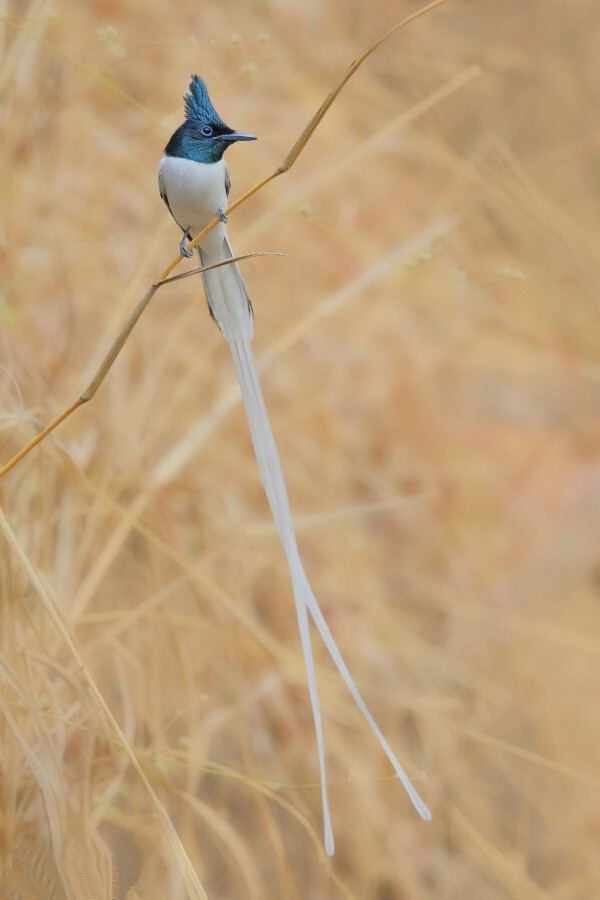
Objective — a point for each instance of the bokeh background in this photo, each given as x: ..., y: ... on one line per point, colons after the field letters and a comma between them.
x: 429, y: 355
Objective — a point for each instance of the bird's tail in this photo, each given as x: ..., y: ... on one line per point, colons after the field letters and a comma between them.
x: 272, y: 478
x: 226, y: 292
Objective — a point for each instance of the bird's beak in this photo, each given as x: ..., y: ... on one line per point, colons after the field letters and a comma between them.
x: 235, y: 136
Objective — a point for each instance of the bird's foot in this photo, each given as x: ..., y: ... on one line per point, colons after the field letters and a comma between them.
x: 221, y: 216
x: 186, y: 251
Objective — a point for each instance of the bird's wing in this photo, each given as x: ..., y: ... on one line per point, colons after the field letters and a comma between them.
x: 162, y: 190
x: 227, y: 182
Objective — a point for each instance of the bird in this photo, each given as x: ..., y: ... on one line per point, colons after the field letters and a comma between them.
x: 194, y: 183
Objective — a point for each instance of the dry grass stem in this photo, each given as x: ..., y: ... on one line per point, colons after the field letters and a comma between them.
x: 428, y: 346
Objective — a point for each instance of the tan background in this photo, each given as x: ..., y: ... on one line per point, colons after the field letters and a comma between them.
x: 436, y: 406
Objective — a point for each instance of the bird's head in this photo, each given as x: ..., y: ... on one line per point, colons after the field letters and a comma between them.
x: 205, y: 131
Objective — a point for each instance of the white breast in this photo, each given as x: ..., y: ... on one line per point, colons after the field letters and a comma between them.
x: 195, y: 191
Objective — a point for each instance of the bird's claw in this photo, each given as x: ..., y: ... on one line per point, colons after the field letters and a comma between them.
x: 221, y: 216
x: 186, y: 251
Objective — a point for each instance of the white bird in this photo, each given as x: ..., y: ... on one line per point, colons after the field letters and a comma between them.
x: 194, y: 183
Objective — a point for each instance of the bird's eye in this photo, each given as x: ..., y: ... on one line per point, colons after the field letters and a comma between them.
x: 207, y: 131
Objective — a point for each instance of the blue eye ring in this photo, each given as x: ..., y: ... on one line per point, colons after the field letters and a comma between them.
x: 207, y: 131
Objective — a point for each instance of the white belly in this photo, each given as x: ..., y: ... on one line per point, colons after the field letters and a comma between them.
x: 195, y: 191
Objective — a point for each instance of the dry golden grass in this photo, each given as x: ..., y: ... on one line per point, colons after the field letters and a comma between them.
x: 437, y: 416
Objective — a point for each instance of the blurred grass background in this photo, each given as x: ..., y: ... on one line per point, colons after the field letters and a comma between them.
x: 437, y: 415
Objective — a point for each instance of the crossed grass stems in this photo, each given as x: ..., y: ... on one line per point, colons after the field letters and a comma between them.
x: 284, y: 167
x: 190, y: 877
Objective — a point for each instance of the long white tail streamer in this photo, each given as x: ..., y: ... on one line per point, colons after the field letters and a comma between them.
x: 305, y: 600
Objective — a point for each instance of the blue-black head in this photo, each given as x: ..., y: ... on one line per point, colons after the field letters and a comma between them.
x: 204, y: 136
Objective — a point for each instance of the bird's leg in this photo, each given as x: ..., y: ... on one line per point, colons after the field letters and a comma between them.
x: 221, y: 217
x: 185, y: 251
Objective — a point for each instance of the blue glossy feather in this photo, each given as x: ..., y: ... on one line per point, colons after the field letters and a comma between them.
x: 198, y: 106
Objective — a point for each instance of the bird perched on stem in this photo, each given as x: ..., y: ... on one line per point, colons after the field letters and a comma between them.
x: 194, y: 184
